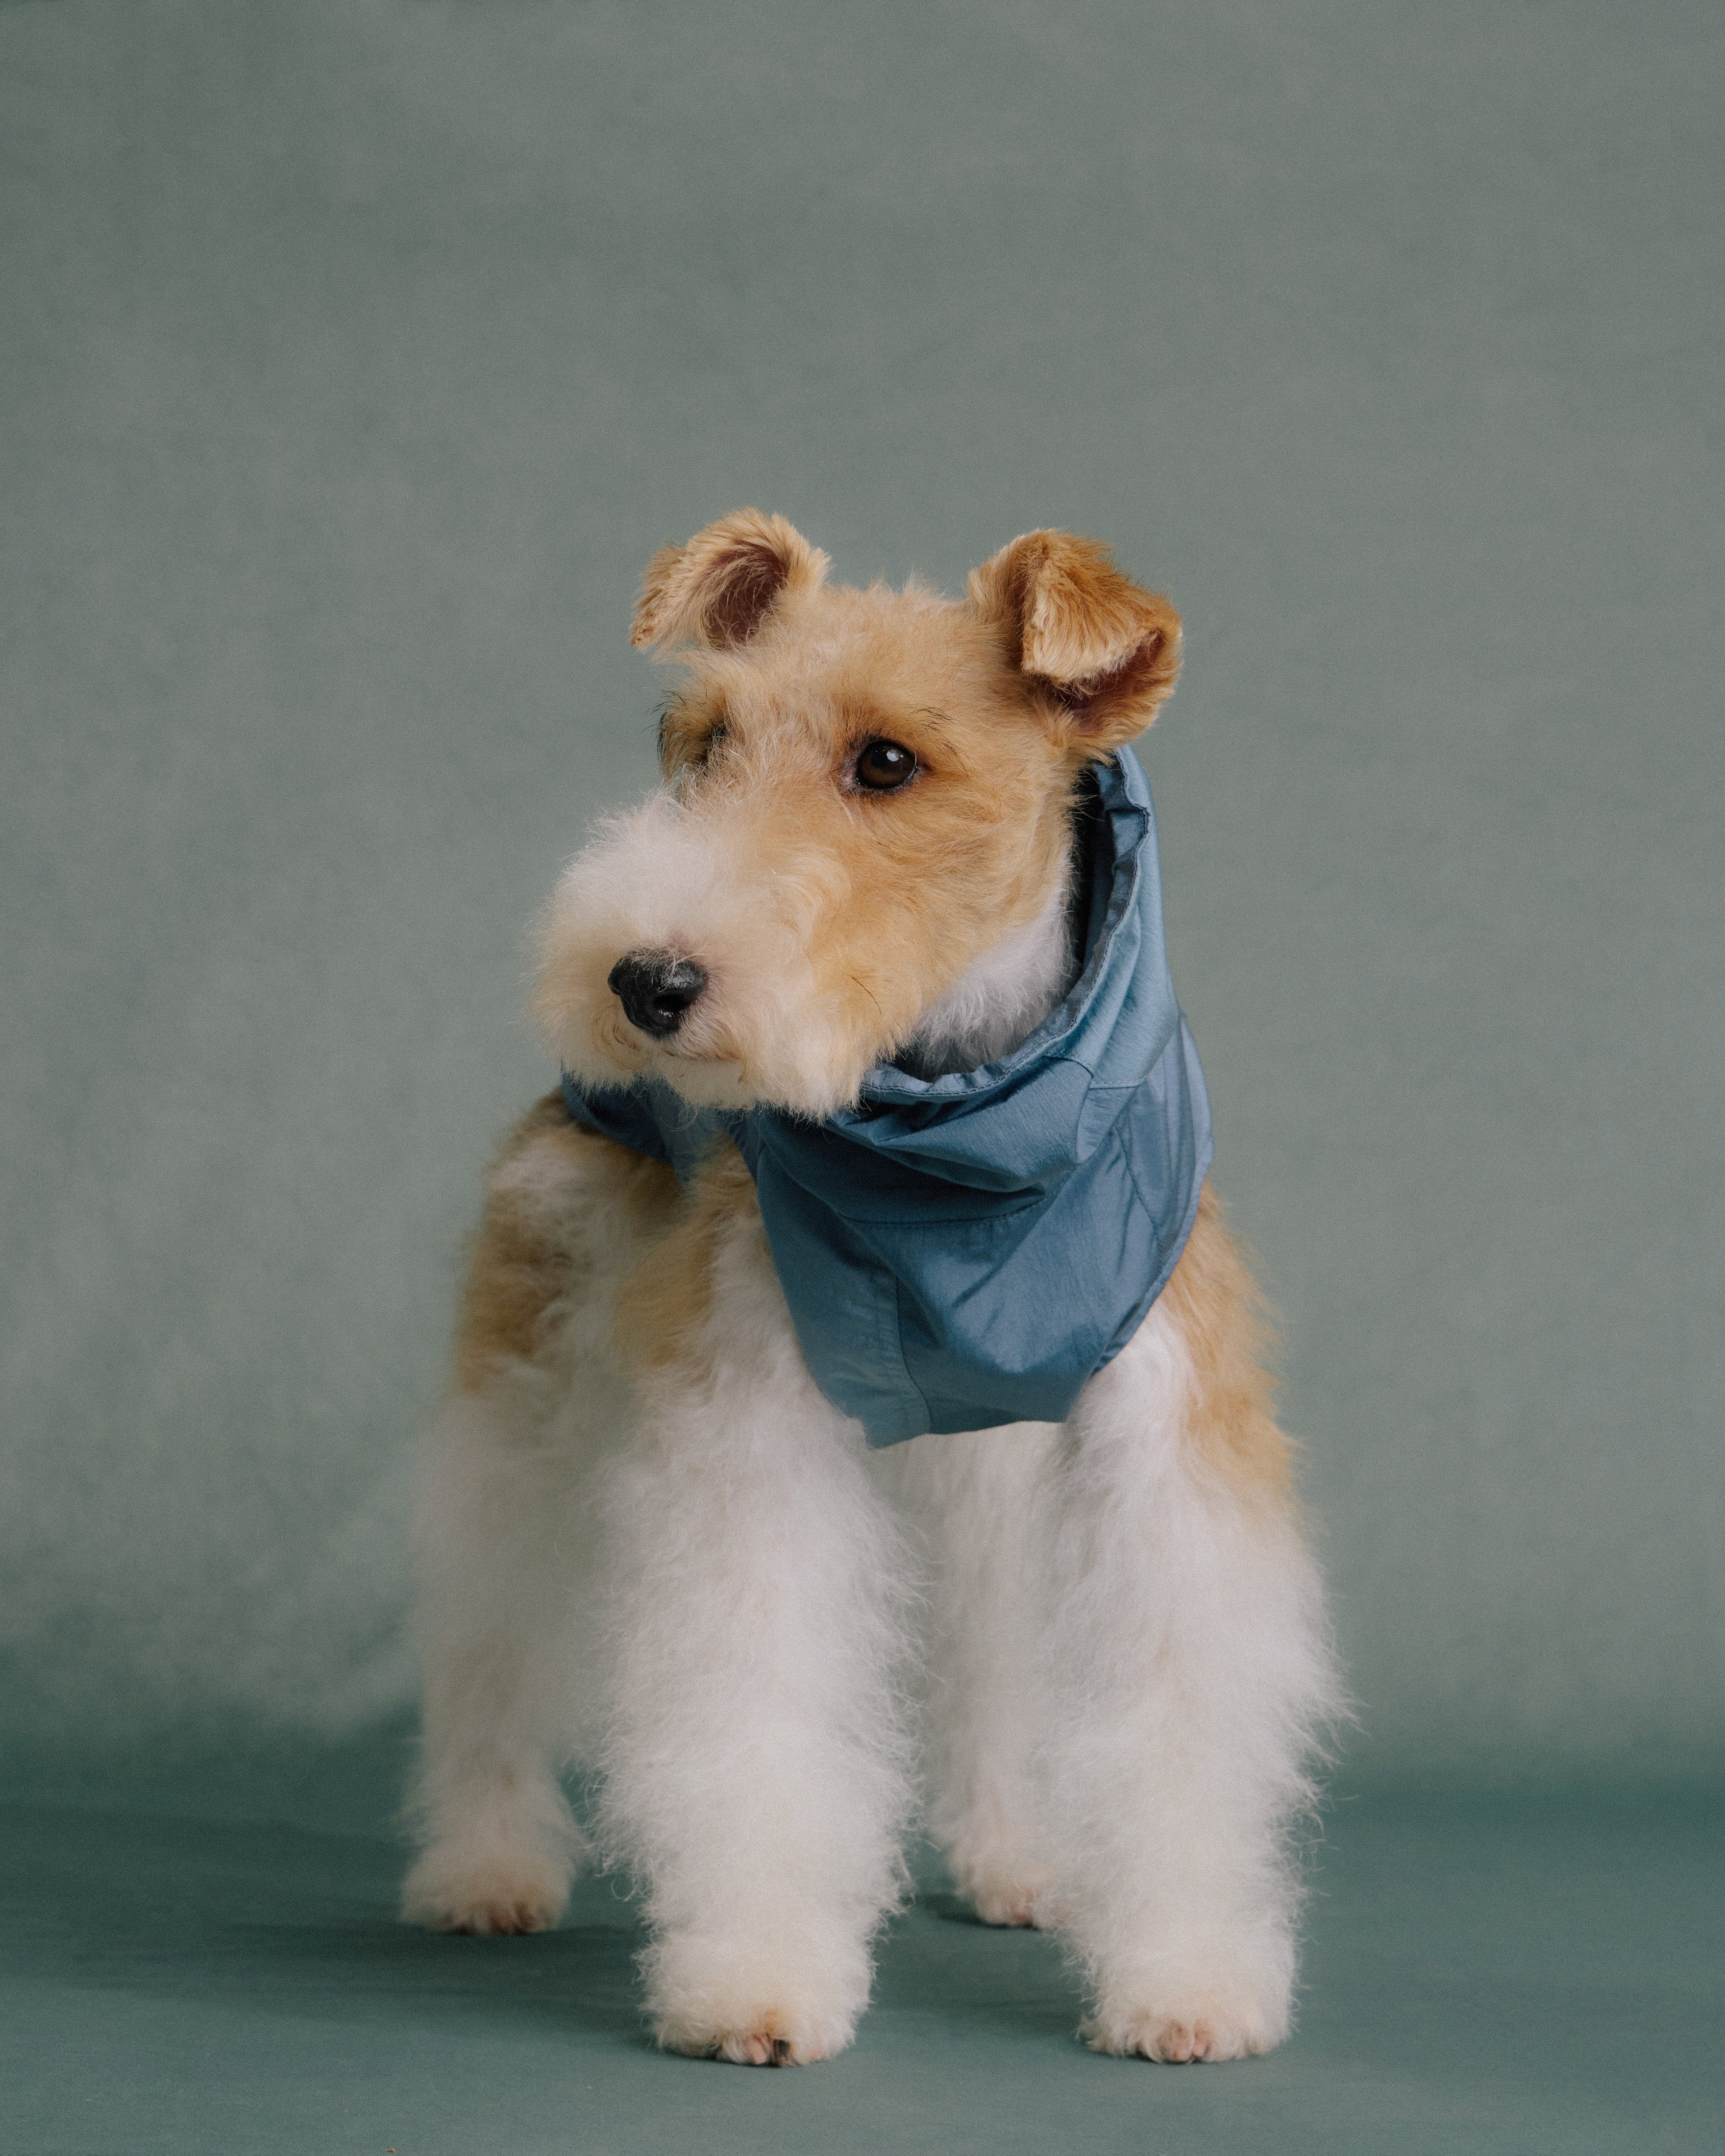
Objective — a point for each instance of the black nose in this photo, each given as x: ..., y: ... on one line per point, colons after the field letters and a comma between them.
x: 656, y: 989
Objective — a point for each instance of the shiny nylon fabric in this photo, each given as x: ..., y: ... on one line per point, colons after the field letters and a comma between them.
x: 964, y: 1251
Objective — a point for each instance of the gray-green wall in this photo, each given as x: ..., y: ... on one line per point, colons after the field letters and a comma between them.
x: 354, y: 355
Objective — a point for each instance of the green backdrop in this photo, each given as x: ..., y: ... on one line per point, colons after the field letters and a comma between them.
x: 354, y: 355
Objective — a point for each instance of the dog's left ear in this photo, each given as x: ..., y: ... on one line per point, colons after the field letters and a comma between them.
x: 720, y: 588
x: 1105, y: 653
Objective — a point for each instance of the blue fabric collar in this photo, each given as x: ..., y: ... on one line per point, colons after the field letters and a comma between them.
x: 964, y: 1251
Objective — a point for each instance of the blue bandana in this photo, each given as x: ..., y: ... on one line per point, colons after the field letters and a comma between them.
x: 964, y: 1251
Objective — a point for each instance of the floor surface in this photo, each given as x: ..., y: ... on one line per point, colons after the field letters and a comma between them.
x: 1528, y: 1978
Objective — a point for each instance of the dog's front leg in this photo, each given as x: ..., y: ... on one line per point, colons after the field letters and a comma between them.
x: 755, y: 1782
x: 504, y: 1524
x: 978, y: 1494
x: 499, y: 1532
x: 1188, y: 1669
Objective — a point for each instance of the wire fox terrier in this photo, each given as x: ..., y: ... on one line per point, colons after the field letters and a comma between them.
x: 859, y: 1408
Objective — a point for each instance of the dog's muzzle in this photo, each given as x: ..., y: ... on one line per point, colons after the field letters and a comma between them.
x: 657, y: 991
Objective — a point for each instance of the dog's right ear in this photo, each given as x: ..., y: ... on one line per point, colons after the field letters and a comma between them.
x: 719, y: 588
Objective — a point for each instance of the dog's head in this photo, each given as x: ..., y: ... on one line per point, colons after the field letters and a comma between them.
x: 866, y: 793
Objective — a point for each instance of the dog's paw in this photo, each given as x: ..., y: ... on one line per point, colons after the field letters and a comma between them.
x: 492, y: 1899
x: 1003, y: 1881
x: 771, y: 2001
x: 1200, y: 2039
x: 1021, y: 1902
x: 771, y: 2038
x: 1208, y: 2025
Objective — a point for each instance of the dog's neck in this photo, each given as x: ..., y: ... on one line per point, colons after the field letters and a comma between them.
x: 1001, y: 998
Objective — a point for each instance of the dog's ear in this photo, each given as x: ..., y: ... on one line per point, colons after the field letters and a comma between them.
x: 1105, y: 653
x: 720, y: 588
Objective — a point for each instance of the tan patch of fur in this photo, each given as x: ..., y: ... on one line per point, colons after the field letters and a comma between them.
x: 895, y: 894
x: 663, y: 1307
x: 876, y: 902
x: 1231, y: 1422
x: 522, y: 1267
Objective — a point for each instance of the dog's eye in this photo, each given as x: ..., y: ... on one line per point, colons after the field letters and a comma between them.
x: 883, y: 765
x: 715, y: 738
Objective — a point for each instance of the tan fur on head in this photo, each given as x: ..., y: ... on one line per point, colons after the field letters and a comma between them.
x: 828, y: 919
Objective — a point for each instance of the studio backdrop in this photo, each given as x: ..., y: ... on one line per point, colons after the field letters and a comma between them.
x: 354, y: 356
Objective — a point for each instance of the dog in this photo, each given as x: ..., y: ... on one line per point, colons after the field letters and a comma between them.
x: 859, y: 1409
